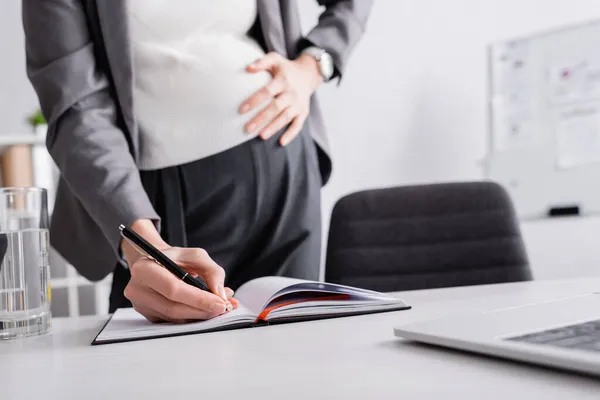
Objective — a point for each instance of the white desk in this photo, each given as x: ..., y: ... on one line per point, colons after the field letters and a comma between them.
x: 349, y: 358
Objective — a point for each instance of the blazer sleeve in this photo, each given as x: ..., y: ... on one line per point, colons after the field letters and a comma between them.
x: 340, y: 27
x: 90, y: 150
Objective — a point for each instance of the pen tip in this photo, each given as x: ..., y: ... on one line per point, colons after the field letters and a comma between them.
x: 121, y: 227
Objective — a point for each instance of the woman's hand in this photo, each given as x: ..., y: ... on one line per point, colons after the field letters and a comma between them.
x: 160, y: 296
x: 292, y: 85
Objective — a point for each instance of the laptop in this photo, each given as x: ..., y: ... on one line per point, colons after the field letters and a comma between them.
x: 563, y: 333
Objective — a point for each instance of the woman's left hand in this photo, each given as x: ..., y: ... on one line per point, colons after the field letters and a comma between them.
x: 290, y: 90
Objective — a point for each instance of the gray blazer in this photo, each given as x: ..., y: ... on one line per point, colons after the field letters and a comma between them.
x: 79, y: 63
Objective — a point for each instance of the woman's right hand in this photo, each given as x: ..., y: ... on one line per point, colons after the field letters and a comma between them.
x: 160, y: 296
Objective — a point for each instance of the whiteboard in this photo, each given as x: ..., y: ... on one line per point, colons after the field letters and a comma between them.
x: 544, y: 120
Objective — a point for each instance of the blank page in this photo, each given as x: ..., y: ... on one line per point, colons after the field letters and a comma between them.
x: 255, y: 294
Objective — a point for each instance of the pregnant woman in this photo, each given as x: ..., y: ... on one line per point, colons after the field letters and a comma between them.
x: 194, y: 123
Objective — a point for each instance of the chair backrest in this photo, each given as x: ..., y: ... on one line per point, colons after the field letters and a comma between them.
x: 426, y: 236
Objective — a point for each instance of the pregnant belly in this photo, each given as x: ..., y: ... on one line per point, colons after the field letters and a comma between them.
x: 197, y: 88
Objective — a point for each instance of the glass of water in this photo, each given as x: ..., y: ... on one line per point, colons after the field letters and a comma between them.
x: 24, y: 269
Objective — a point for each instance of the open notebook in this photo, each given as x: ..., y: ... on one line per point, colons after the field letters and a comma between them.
x: 263, y: 301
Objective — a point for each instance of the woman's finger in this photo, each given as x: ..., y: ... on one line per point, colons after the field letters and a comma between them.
x: 154, y: 276
x: 234, y: 302
x: 132, y: 293
x: 278, y: 123
x: 265, y: 94
x: 198, y: 261
x: 278, y: 106
x: 268, y: 62
x: 292, y: 131
x: 144, y: 302
x: 169, y: 310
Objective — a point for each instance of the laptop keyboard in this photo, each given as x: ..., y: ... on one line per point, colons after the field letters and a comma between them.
x: 584, y: 336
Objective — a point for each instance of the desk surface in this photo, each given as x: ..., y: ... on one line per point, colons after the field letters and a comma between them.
x: 354, y: 357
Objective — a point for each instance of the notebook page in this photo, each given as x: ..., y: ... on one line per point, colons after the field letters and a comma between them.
x: 331, y: 288
x: 255, y: 294
x: 331, y: 309
x: 258, y: 293
x: 127, y: 324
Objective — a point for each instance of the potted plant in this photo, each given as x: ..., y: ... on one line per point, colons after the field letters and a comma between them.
x: 45, y: 173
x: 38, y: 123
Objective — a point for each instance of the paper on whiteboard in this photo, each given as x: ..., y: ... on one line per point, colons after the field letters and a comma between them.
x: 510, y: 63
x: 512, y: 123
x: 512, y: 95
x: 574, y: 82
x: 578, y: 137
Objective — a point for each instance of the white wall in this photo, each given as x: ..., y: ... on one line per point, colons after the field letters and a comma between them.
x: 412, y: 107
x: 17, y: 99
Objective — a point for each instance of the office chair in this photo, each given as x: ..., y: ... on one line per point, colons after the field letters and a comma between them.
x: 426, y: 236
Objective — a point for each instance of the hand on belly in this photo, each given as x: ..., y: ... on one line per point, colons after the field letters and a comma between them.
x: 285, y: 99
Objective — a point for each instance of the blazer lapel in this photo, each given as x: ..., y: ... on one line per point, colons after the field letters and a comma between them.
x: 112, y: 15
x: 269, y: 13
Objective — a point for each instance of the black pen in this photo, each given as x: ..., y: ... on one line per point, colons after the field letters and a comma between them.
x: 158, y: 256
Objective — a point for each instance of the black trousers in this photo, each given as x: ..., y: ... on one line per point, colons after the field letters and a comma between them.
x: 255, y: 208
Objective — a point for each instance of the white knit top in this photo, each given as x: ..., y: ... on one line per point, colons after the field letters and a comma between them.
x: 190, y: 80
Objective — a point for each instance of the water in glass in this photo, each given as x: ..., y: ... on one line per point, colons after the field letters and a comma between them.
x: 24, y: 268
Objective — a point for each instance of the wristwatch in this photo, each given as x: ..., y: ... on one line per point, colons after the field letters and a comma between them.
x: 324, y: 60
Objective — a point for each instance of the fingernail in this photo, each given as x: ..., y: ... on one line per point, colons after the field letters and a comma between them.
x: 251, y: 128
x: 222, y: 293
x: 245, y: 108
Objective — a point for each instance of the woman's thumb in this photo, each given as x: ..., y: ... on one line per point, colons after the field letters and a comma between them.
x: 207, y: 269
